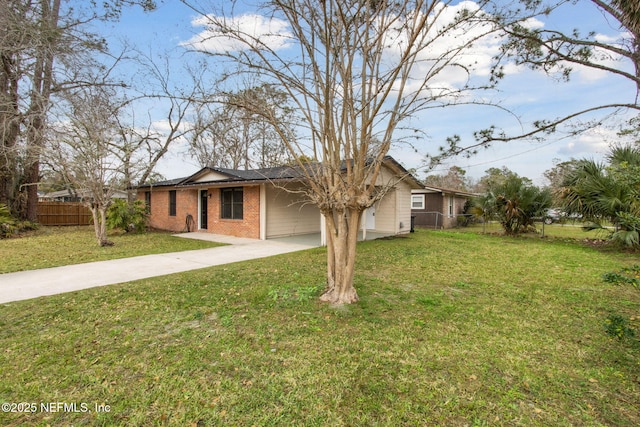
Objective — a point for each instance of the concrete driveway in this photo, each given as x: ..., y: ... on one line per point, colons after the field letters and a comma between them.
x: 50, y: 281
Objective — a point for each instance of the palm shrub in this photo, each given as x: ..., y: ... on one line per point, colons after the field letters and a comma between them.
x: 515, y: 203
x: 607, y: 193
x: 127, y: 216
x: 482, y: 207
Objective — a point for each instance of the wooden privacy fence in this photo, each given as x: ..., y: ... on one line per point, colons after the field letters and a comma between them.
x: 63, y: 213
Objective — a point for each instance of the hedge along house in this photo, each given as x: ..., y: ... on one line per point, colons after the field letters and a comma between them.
x: 267, y: 203
x: 435, y: 207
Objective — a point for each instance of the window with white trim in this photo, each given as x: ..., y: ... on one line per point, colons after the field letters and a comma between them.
x: 417, y: 201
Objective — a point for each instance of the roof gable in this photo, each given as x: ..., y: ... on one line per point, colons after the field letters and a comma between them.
x: 400, y: 171
x: 208, y: 174
x: 212, y: 175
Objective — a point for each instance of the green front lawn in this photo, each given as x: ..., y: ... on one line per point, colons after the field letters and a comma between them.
x: 452, y: 329
x: 56, y: 246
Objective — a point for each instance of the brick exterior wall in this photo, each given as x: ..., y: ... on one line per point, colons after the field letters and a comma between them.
x: 248, y: 226
x: 187, y: 204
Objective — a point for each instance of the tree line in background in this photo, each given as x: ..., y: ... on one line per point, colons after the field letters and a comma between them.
x: 362, y: 71
x: 72, y: 119
x: 47, y: 54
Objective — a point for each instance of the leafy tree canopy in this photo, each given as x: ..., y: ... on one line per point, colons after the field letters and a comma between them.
x: 454, y: 179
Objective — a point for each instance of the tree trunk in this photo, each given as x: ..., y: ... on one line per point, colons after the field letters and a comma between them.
x: 32, y: 177
x: 342, y: 233
x: 99, y: 214
x: 40, y: 95
x: 9, y: 174
x: 9, y: 129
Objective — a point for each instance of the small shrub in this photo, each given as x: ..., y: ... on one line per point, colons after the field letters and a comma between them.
x: 462, y: 221
x: 629, y: 233
x: 7, y: 222
x: 9, y: 225
x: 27, y: 226
x: 626, y: 276
x: 127, y: 217
x: 617, y: 326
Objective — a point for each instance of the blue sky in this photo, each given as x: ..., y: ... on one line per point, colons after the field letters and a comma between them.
x: 530, y: 95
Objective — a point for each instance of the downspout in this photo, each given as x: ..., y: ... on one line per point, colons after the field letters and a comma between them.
x: 363, y: 221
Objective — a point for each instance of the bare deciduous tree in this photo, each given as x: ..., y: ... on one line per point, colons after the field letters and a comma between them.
x: 14, y: 39
x: 42, y: 41
x: 356, y: 71
x: 140, y: 148
x: 233, y: 136
x: 81, y: 148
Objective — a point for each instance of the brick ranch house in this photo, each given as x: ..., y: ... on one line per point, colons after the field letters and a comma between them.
x: 263, y: 203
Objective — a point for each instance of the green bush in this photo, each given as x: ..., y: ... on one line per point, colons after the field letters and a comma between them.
x: 607, y: 193
x: 9, y: 225
x: 629, y: 233
x: 463, y: 220
x: 515, y: 202
x: 127, y: 217
x: 7, y: 222
x: 617, y: 326
x: 626, y: 276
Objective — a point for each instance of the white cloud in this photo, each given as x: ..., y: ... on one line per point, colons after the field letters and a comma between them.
x: 605, y: 58
x: 603, y: 38
x: 592, y: 143
x: 253, y: 29
x: 532, y: 24
x: 474, y: 61
x: 470, y: 46
x: 163, y: 126
x: 454, y: 53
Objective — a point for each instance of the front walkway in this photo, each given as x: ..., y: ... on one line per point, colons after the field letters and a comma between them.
x: 50, y: 281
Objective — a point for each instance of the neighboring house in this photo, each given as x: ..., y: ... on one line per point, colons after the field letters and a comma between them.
x: 69, y: 196
x: 438, y: 207
x: 265, y: 203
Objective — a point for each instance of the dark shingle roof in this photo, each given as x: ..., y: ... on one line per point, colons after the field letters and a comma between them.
x: 167, y: 183
x: 234, y: 175
x: 280, y: 172
x: 265, y: 174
